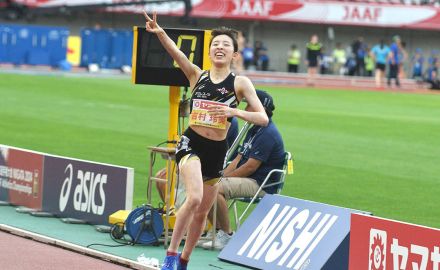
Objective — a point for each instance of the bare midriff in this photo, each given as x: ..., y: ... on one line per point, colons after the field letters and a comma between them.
x: 214, y: 134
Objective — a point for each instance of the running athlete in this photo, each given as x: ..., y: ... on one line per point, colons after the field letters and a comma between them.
x: 202, y: 148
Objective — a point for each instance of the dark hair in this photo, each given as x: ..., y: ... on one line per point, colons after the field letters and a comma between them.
x: 267, y: 101
x: 233, y: 34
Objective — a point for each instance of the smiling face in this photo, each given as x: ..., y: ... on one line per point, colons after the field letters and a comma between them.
x: 221, y: 51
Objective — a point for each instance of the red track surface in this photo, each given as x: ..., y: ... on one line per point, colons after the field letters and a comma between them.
x: 18, y: 253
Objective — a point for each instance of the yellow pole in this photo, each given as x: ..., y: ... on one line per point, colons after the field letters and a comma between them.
x: 174, y: 99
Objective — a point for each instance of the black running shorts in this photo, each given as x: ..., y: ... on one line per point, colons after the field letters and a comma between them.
x: 380, y: 66
x: 211, y: 153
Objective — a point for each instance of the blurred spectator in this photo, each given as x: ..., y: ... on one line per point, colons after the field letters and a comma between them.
x: 432, y: 76
x: 403, y: 56
x: 257, y: 48
x: 261, y: 59
x: 313, y: 52
x: 294, y: 58
x: 248, y: 56
x: 380, y: 54
x: 325, y: 62
x: 350, y: 65
x: 417, y: 62
x: 433, y: 58
x: 339, y: 59
x: 394, y: 61
x: 432, y: 72
x: 359, y: 48
x: 369, y: 64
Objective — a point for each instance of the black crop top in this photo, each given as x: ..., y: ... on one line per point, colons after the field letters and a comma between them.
x: 223, y: 92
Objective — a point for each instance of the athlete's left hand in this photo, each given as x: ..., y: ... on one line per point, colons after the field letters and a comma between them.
x: 221, y: 111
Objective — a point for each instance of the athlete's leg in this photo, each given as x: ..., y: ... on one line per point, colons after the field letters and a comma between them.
x: 199, y: 219
x: 191, y: 173
x: 378, y: 77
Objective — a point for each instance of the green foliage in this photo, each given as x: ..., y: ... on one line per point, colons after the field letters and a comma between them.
x: 374, y: 151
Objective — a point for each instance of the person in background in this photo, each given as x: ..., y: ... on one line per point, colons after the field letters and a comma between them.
x: 350, y: 65
x: 380, y: 54
x: 339, y: 59
x: 394, y: 61
x: 293, y: 60
x: 369, y: 64
x: 417, y: 63
x: 434, y: 56
x: 359, y: 49
x: 258, y: 45
x: 433, y: 59
x: 312, y: 58
x: 432, y: 75
x: 263, y: 58
x: 325, y: 62
x: 403, y: 57
x: 248, y: 56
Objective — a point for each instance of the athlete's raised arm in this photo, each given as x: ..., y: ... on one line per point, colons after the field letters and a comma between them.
x: 191, y: 71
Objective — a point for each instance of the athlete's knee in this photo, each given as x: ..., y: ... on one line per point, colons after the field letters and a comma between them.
x: 194, y: 200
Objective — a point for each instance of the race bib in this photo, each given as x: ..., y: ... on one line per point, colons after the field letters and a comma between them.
x: 201, y: 117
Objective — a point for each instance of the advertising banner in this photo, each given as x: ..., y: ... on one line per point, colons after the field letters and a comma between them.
x: 64, y: 186
x: 85, y: 190
x: 21, y: 178
x: 365, y: 13
x: 373, y: 14
x: 288, y: 233
x: 383, y: 244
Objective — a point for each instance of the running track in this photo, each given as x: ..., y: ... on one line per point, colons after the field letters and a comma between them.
x: 19, y: 253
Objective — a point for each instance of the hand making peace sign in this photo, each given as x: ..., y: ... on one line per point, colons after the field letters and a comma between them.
x: 151, y: 24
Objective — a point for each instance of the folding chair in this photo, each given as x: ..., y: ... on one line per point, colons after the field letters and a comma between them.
x: 256, y: 198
